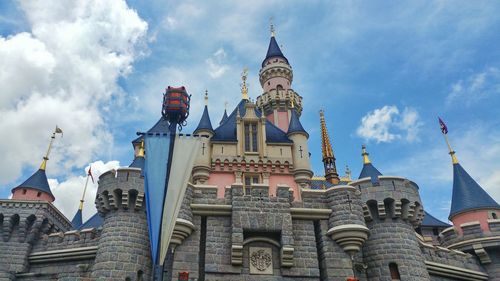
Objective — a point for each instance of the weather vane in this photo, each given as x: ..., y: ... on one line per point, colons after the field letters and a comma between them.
x: 244, y: 89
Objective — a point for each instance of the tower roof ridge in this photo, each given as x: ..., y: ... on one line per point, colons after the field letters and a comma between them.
x: 37, y: 181
x: 205, y: 123
x: 273, y: 51
x: 467, y: 193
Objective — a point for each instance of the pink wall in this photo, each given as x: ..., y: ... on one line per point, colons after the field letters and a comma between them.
x: 283, y: 120
x: 31, y: 194
x: 221, y: 180
x: 272, y: 83
x: 470, y: 216
x: 270, y: 117
x: 274, y: 180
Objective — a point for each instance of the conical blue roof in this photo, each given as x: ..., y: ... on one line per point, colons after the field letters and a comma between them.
x: 37, y: 181
x: 430, y: 220
x: 205, y: 123
x: 138, y: 162
x: 224, y: 118
x: 295, y: 125
x: 160, y: 127
x: 369, y: 171
x: 467, y: 193
x: 95, y: 221
x: 77, y: 219
x: 274, y: 51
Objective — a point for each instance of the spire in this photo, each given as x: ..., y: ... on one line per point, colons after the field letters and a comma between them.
x: 43, y: 166
x: 205, y: 123
x: 295, y: 125
x: 331, y: 174
x: 468, y: 194
x: 273, y: 51
x: 224, y: 117
x: 244, y: 88
x: 77, y: 219
x: 368, y: 171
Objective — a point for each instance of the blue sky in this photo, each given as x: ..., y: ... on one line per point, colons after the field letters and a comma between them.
x: 382, y: 71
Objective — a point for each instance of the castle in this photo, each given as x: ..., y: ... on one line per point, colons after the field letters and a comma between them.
x: 254, y: 211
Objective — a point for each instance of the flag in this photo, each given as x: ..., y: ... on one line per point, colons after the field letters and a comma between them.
x: 90, y: 174
x: 444, y: 129
x: 186, y: 149
x: 59, y: 131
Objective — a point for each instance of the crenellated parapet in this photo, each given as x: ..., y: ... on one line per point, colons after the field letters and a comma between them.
x: 120, y: 189
x: 275, y: 99
x: 390, y: 198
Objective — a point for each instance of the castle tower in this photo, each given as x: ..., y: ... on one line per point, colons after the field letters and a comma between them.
x: 300, y: 153
x: 392, y: 210
x: 37, y: 187
x: 331, y: 174
x: 276, y: 78
x: 120, y: 201
x: 201, y: 169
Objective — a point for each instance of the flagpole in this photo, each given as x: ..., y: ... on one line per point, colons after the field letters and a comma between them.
x: 84, y: 191
x: 454, y: 159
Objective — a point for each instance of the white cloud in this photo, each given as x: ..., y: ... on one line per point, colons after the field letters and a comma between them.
x: 68, y: 192
x: 475, y: 87
x: 64, y: 71
x: 387, y: 124
x: 216, y: 64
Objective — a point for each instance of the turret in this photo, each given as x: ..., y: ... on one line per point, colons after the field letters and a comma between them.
x: 276, y: 78
x: 37, y: 187
x: 201, y: 168
x: 120, y: 201
x: 331, y: 174
x: 300, y: 152
x: 392, y: 210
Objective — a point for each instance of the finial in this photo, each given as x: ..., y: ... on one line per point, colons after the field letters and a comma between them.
x: 89, y: 175
x: 444, y: 130
x: 244, y: 89
x: 140, y: 153
x: 225, y: 105
x: 58, y: 130
x: 292, y: 105
x: 206, y: 97
x: 272, y: 27
x: 365, y: 154
x: 347, y: 172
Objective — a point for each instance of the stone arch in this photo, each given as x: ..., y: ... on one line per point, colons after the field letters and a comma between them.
x: 117, y: 197
x: 372, y: 208
x: 405, y: 208
x: 10, y: 226
x: 132, y: 198
x: 140, y: 275
x: 389, y: 207
x: 261, y: 239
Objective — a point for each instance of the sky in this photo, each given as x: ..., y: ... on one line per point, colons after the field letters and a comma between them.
x: 382, y: 71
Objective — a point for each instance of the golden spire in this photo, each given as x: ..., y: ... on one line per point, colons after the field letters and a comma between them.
x: 326, y: 146
x: 331, y: 174
x: 206, y: 97
x: 365, y: 154
x: 140, y: 153
x: 272, y: 27
x: 43, y: 166
x: 244, y: 89
x: 454, y: 159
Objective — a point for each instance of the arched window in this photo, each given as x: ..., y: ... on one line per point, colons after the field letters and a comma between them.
x: 24, y: 191
x: 38, y: 194
x: 140, y: 275
x: 279, y: 87
x: 494, y: 216
x: 393, y: 268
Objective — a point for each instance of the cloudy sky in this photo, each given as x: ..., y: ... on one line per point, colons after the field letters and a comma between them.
x: 382, y: 72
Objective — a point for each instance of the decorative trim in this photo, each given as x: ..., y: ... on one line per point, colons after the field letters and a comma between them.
x: 349, y: 236
x: 211, y: 210
x: 261, y: 239
x: 63, y: 255
x: 182, y: 229
x: 445, y: 270
x: 474, y: 241
x: 314, y: 214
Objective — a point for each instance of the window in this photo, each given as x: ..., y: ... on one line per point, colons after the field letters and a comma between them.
x: 279, y: 87
x: 249, y: 180
x: 251, y: 137
x: 435, y: 231
x: 38, y: 194
x: 24, y: 191
x: 494, y: 216
x: 393, y: 268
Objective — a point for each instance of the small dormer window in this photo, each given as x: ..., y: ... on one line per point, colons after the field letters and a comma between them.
x: 251, y: 139
x: 494, y: 216
x: 38, y: 194
x: 24, y: 191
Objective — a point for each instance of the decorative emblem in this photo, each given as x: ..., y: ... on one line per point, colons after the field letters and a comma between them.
x: 261, y: 260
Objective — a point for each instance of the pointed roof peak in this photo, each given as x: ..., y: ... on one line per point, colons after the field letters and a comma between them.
x: 468, y: 194
x: 205, y: 123
x: 326, y: 145
x: 368, y: 169
x: 224, y: 117
x: 77, y: 219
x: 295, y: 125
x: 37, y: 181
x: 273, y: 50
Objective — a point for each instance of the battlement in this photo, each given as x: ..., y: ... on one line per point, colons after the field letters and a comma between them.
x: 120, y: 189
x: 390, y: 197
x: 68, y: 240
x: 470, y: 233
x: 25, y: 221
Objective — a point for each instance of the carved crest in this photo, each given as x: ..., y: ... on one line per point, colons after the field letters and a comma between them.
x: 261, y: 260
